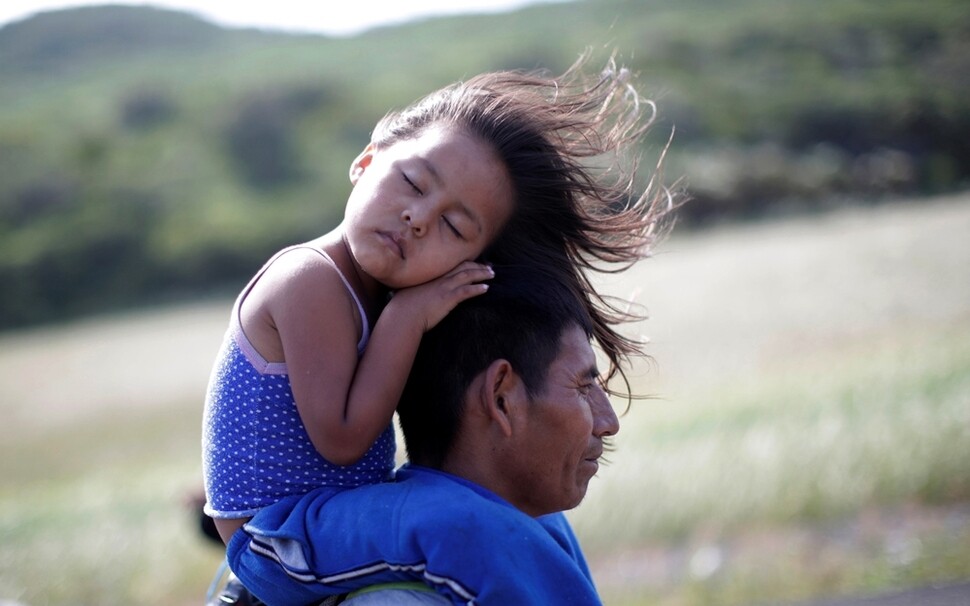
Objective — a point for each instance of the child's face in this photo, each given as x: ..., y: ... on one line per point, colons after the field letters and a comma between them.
x: 422, y: 206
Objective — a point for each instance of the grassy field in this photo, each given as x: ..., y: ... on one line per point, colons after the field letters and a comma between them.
x: 810, y: 433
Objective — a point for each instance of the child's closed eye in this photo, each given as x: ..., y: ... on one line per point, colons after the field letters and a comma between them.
x: 451, y: 226
x: 411, y: 183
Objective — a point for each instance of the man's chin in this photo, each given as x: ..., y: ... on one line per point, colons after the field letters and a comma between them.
x: 578, y: 497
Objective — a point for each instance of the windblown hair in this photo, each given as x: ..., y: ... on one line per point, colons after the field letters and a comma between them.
x: 570, y: 215
x: 521, y: 319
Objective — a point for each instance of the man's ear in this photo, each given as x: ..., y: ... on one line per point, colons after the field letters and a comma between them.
x: 504, y: 393
x: 361, y: 162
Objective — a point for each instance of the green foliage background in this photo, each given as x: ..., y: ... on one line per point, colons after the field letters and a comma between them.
x: 147, y: 156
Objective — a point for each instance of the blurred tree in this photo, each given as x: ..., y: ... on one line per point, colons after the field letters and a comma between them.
x: 144, y: 109
x: 262, y: 136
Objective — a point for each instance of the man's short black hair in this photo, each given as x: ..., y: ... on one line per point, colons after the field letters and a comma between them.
x: 520, y: 319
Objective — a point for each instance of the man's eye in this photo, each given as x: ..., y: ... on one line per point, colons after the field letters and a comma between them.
x: 411, y: 183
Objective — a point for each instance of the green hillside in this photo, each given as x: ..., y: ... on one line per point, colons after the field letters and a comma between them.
x: 146, y: 155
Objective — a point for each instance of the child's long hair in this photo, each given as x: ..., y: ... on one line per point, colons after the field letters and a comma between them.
x: 570, y: 146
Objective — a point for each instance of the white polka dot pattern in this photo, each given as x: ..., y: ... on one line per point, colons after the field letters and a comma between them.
x: 256, y: 449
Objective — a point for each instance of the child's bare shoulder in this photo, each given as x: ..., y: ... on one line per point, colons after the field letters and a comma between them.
x: 306, y: 273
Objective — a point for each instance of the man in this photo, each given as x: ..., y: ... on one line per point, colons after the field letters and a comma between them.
x: 504, y: 420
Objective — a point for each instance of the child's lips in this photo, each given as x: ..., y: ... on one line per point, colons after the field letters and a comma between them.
x: 394, y: 242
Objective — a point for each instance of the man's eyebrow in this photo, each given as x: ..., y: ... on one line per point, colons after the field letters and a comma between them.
x: 462, y: 208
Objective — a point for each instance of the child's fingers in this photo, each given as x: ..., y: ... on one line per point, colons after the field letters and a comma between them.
x: 461, y: 284
x: 469, y: 272
x: 468, y: 291
x: 452, y: 298
x: 433, y: 300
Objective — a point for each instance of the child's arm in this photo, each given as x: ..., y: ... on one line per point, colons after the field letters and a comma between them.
x: 345, y: 404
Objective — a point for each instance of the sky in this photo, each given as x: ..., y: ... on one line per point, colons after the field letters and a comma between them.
x: 290, y: 15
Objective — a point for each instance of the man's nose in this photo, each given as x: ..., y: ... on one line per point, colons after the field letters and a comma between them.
x: 605, y: 421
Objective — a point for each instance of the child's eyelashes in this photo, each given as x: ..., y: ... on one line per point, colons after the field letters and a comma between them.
x: 411, y: 183
x: 448, y: 223
x: 452, y: 227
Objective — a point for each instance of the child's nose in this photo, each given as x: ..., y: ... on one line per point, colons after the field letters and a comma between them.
x: 415, y: 220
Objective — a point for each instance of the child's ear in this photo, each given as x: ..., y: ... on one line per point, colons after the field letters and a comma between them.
x: 361, y: 162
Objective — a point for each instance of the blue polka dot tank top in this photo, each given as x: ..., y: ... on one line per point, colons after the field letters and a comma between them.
x: 255, y: 448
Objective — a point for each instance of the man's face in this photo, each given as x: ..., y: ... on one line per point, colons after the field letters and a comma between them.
x: 565, y: 424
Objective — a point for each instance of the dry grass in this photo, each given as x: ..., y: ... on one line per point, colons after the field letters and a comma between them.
x: 813, y: 376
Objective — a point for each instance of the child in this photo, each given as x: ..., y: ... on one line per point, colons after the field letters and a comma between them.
x: 316, y: 356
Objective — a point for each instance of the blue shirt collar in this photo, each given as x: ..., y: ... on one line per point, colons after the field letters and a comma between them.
x: 412, y: 470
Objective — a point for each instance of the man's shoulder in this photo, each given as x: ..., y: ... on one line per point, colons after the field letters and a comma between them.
x: 448, y: 491
x: 440, y: 499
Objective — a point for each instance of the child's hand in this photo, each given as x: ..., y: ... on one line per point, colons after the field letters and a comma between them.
x: 430, y: 302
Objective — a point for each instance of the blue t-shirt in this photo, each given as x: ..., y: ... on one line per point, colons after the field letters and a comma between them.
x: 467, y: 543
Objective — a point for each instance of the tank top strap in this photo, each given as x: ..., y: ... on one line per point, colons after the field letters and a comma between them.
x: 365, y: 325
